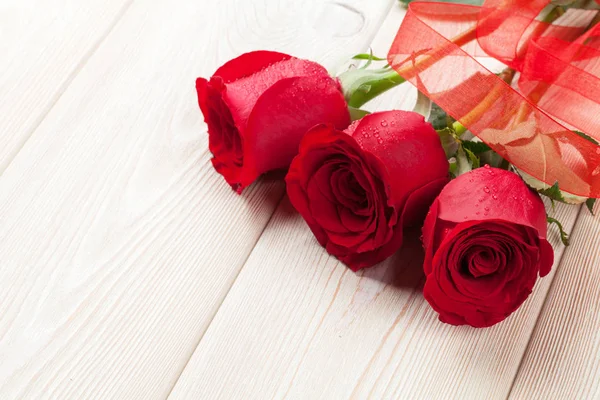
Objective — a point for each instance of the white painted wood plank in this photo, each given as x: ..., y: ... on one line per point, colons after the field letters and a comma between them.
x: 118, y: 241
x: 43, y: 44
x: 298, y: 324
x: 563, y: 357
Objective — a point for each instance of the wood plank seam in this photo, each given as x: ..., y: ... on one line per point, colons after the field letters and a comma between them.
x: 64, y: 86
x: 370, y: 40
x: 216, y: 310
x: 245, y: 343
x: 541, y: 310
x: 135, y: 216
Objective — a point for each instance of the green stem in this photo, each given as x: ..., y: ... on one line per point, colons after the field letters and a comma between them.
x: 363, y: 85
x: 360, y: 85
x: 458, y: 128
x: 564, y: 236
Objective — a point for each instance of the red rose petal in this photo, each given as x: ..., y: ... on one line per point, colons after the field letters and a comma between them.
x: 282, y: 116
x: 321, y: 208
x: 248, y: 64
x: 496, y: 194
x: 406, y: 146
x: 375, y: 187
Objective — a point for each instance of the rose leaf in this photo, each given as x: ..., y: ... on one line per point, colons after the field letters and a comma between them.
x: 553, y: 193
x: 449, y: 142
x: 564, y: 236
x: 473, y: 159
x: 590, y: 205
x: 476, y: 147
x: 439, y: 118
x: 365, y: 56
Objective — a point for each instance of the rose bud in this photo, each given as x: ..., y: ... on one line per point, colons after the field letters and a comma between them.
x: 357, y: 189
x: 257, y: 108
x: 485, y: 244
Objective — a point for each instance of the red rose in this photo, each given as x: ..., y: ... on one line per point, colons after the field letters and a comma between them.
x: 358, y: 188
x: 257, y: 108
x: 485, y: 244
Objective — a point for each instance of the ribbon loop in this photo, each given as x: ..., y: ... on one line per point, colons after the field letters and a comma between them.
x: 558, y: 89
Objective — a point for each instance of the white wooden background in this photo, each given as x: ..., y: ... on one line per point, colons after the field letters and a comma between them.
x: 130, y: 270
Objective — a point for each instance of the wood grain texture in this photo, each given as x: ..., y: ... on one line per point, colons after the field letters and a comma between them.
x: 118, y: 241
x: 44, y: 44
x: 298, y: 324
x: 563, y: 357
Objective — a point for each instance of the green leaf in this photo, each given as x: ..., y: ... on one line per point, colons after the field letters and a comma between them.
x: 564, y: 236
x: 473, y: 159
x: 553, y: 193
x: 472, y: 2
x: 476, y: 147
x: 361, y: 85
x: 491, y: 158
x: 590, y: 205
x: 365, y: 56
x: 438, y: 117
x: 357, y: 113
x: 586, y: 137
x: 463, y: 163
x: 453, y: 168
x: 449, y: 142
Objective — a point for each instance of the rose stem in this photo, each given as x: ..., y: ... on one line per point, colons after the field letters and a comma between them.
x: 507, y: 76
x: 378, y: 81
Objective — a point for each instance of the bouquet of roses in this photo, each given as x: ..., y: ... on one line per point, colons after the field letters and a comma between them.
x: 471, y: 177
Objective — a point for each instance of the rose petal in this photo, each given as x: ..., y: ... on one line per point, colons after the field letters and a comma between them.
x: 321, y: 208
x: 248, y: 64
x: 406, y: 146
x: 282, y: 116
x: 483, y: 189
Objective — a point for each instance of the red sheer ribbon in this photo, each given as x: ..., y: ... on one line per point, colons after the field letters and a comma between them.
x: 437, y: 49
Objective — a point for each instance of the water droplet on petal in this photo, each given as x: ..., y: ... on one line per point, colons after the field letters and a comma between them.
x: 487, y: 209
x: 486, y: 189
x: 384, y: 123
x: 494, y: 197
x: 486, y: 166
x: 597, y: 150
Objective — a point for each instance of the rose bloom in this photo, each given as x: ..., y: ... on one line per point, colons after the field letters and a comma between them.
x: 257, y: 108
x: 357, y: 189
x: 485, y: 244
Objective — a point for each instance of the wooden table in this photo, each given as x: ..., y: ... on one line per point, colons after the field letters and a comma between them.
x: 130, y: 270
